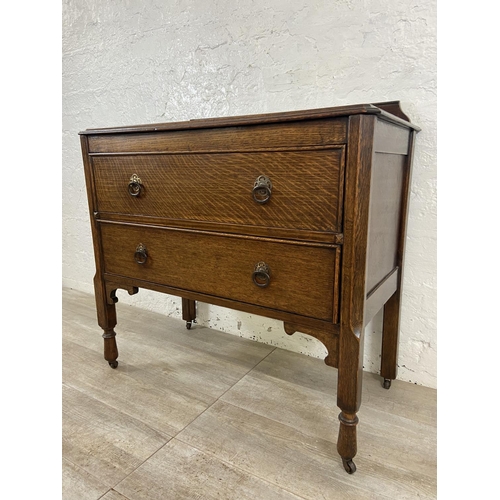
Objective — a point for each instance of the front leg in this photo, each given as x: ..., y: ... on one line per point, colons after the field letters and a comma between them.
x: 106, y: 317
x: 349, y: 394
x: 347, y: 441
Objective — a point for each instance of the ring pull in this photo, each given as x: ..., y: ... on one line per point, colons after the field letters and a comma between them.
x: 262, y: 189
x: 135, y: 185
x: 141, y: 254
x: 261, y: 275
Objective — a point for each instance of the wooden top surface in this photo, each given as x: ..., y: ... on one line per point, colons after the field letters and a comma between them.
x: 389, y: 110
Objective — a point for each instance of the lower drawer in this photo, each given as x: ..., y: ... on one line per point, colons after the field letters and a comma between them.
x: 301, y: 279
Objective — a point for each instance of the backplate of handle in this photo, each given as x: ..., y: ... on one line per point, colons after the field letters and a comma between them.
x: 262, y: 189
x: 135, y: 185
x: 261, y: 275
x: 141, y: 254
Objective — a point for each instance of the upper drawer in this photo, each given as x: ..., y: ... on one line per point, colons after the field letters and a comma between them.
x: 306, y: 191
x: 244, y: 138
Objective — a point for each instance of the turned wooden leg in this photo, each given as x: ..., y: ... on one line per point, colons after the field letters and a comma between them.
x: 106, y: 317
x: 347, y: 446
x: 188, y: 312
x: 347, y: 443
x: 110, y: 348
x: 350, y: 376
x: 390, y: 340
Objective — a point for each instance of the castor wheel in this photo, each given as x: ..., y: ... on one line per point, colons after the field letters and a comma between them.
x: 188, y: 325
x: 387, y: 383
x: 113, y: 364
x: 349, y: 466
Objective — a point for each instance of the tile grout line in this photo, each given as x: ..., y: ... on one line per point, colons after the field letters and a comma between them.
x: 208, y: 407
x: 231, y: 464
x: 175, y: 435
x: 237, y: 382
x: 87, y: 472
x: 131, y: 416
x: 113, y: 489
x: 140, y: 465
x: 157, y: 430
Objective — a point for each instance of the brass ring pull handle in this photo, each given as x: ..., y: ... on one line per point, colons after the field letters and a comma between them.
x: 262, y: 189
x: 261, y: 275
x: 141, y: 254
x: 135, y: 185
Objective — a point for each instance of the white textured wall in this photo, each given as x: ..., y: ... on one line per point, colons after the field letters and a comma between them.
x: 146, y: 61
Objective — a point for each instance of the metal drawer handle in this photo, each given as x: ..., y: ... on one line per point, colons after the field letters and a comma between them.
x: 262, y: 189
x: 135, y: 185
x: 141, y: 254
x: 261, y: 275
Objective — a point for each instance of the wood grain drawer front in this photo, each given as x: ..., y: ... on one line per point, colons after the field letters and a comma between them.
x: 306, y: 187
x: 303, y: 279
x: 236, y: 138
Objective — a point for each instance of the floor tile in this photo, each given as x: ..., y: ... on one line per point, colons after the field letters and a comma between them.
x: 290, y: 458
x: 202, y: 414
x: 179, y: 471
x: 105, y: 443
x: 113, y: 495
x: 77, y: 484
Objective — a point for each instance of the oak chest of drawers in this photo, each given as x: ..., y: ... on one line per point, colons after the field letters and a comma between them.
x: 297, y: 216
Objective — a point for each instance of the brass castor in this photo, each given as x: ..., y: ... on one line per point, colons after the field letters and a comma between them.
x: 349, y: 466
x: 113, y: 364
x: 387, y: 383
x: 188, y: 325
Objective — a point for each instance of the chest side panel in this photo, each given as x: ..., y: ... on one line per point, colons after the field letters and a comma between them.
x: 386, y: 201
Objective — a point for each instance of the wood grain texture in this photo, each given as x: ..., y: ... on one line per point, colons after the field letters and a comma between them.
x: 392, y: 107
x: 286, y: 135
x: 244, y: 120
x: 391, y: 111
x: 390, y: 138
x: 330, y: 234
x: 329, y: 339
x: 353, y: 282
x: 188, y: 310
x: 305, y: 235
x: 301, y: 276
x: 379, y: 295
x: 385, y: 216
x: 353, y: 285
x: 301, y: 321
x: 306, y: 187
x: 392, y: 309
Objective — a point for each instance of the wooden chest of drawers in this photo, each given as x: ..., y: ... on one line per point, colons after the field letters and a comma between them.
x: 298, y: 216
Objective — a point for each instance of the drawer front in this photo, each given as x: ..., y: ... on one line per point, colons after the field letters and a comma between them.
x: 302, y: 278
x: 233, y: 138
x: 306, y: 187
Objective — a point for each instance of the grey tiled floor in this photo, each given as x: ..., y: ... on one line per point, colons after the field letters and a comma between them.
x: 202, y: 414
